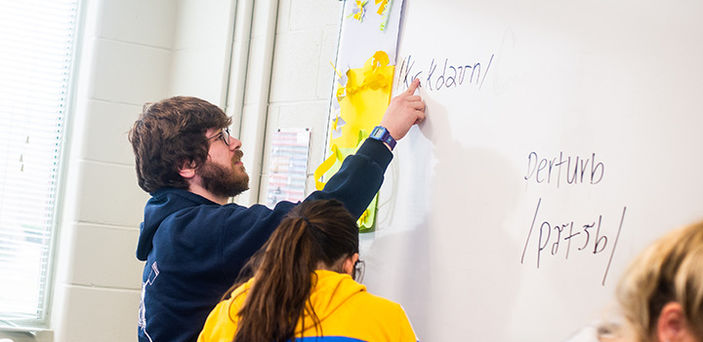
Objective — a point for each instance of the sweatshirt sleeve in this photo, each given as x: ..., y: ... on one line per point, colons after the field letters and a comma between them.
x: 359, y: 178
x: 244, y: 230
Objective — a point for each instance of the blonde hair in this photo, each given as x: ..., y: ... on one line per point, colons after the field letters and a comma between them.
x: 669, y: 270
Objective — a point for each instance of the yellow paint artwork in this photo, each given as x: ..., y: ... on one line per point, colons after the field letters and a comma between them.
x: 363, y: 101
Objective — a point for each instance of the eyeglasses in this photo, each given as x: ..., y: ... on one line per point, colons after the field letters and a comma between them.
x: 358, y: 274
x: 224, y: 135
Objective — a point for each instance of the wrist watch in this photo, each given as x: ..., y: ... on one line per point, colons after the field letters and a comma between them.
x: 380, y: 133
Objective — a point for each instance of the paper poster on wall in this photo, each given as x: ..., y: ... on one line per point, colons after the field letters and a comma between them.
x: 288, y: 165
x: 364, y: 70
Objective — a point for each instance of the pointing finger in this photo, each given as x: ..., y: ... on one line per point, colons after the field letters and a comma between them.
x: 413, y: 86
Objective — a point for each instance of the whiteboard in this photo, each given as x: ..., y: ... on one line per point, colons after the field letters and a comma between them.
x: 582, y: 114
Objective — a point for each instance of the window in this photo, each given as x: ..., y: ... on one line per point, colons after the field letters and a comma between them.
x: 36, y: 53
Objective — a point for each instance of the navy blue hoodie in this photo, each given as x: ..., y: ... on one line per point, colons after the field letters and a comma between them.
x: 194, y: 248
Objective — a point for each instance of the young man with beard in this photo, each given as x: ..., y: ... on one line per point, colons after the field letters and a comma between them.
x: 193, y: 242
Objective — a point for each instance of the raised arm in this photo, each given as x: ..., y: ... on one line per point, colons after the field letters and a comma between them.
x: 405, y: 110
x: 361, y: 174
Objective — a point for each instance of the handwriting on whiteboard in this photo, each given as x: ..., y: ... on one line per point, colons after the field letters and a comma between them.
x: 441, y: 74
x: 564, y: 169
x: 564, y: 236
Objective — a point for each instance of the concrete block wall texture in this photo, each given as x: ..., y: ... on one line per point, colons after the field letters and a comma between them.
x: 136, y: 51
x: 302, y: 77
x: 202, y: 48
x: 125, y: 60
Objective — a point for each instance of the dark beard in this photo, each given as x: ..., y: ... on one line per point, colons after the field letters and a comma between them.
x: 222, y: 182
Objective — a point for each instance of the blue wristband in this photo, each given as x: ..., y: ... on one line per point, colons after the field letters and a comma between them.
x: 380, y: 133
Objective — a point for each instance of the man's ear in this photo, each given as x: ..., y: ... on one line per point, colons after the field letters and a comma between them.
x: 187, y: 170
x: 671, y: 324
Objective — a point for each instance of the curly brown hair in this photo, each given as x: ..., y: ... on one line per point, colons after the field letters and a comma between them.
x: 169, y: 134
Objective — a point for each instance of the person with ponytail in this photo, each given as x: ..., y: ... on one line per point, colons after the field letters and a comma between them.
x: 303, y: 287
x: 193, y: 240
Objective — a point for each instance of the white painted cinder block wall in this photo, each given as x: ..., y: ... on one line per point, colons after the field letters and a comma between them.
x: 136, y: 51
x: 302, y: 77
x: 125, y: 60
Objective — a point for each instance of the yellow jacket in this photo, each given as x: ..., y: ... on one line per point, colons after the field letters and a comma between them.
x: 346, y: 312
